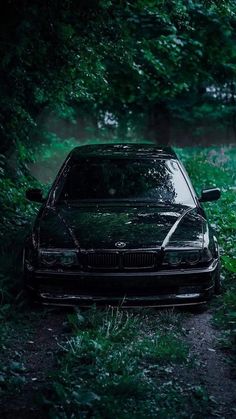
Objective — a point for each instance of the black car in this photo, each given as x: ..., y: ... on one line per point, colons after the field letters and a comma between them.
x: 122, y: 224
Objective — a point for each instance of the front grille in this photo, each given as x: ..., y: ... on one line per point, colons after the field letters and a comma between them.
x: 139, y: 260
x: 121, y: 260
x: 102, y: 260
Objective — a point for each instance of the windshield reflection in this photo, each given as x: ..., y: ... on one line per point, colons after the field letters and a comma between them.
x: 155, y: 180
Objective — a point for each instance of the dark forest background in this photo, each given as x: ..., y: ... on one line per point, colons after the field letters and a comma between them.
x: 152, y: 69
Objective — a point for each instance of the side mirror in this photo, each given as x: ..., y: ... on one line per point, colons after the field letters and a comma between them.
x: 35, y: 195
x: 210, y: 195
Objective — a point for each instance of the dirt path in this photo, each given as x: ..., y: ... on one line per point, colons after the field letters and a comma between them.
x: 212, y: 370
x: 34, y: 344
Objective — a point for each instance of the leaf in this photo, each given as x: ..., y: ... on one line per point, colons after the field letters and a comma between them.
x: 229, y: 263
x: 17, y: 366
x: 86, y: 397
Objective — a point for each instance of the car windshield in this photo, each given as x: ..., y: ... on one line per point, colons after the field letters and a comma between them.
x: 126, y: 179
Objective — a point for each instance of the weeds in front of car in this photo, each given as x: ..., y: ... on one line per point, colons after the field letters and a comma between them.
x: 113, y: 367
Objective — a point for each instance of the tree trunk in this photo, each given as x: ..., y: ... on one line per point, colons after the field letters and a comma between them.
x: 158, y: 127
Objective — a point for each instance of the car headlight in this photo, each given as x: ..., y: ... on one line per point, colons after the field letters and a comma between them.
x: 188, y: 257
x: 173, y: 258
x: 192, y: 257
x: 63, y: 258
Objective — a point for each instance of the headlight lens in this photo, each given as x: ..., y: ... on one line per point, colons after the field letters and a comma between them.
x: 192, y: 257
x: 174, y: 258
x: 64, y: 258
x: 188, y: 257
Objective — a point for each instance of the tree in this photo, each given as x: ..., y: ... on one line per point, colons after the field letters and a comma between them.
x: 145, y: 58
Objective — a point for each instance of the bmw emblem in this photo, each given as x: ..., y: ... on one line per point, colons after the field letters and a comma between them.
x: 120, y: 245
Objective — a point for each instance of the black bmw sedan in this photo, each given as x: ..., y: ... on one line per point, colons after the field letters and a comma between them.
x: 122, y: 224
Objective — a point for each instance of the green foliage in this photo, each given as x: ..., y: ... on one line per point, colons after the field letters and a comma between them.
x: 109, y: 368
x: 216, y: 166
x: 16, y: 215
x: 163, y: 348
x: 147, y: 58
x: 225, y: 318
x: 229, y: 263
x: 11, y: 377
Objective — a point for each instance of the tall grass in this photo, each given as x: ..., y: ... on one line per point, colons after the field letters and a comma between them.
x: 119, y: 364
x: 216, y: 166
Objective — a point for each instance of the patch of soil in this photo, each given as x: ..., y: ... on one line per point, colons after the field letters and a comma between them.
x: 36, y: 343
x: 212, y: 368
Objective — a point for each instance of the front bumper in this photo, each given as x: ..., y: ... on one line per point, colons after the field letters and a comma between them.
x: 150, y: 289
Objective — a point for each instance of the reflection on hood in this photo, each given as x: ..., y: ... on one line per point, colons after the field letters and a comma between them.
x: 100, y: 227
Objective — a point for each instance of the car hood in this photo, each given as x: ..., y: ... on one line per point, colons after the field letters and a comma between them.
x: 101, y: 227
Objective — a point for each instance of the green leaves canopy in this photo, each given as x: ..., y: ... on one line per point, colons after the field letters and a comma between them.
x: 127, y: 58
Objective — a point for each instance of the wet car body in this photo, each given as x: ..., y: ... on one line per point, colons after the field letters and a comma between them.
x: 88, y: 246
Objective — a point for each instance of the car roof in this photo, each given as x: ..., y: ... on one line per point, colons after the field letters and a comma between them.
x: 122, y: 150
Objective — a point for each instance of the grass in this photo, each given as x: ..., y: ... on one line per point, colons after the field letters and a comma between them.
x: 217, y: 167
x: 113, y: 367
